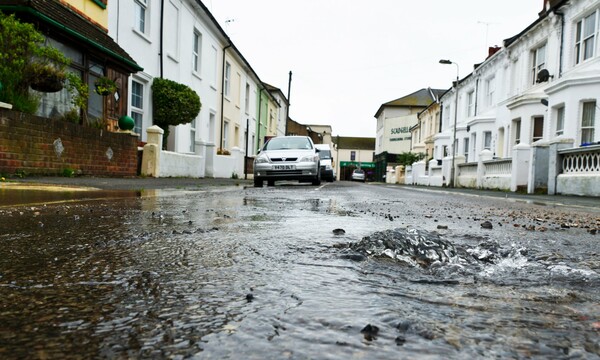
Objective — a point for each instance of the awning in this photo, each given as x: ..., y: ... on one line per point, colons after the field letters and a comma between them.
x: 358, y: 164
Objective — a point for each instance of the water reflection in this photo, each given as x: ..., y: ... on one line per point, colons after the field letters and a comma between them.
x: 11, y: 197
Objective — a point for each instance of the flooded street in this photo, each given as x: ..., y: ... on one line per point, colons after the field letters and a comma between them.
x: 340, y: 271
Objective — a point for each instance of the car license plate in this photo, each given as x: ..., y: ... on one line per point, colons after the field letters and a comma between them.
x: 284, y: 167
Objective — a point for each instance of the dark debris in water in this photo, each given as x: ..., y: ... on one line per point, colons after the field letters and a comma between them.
x: 370, y: 332
x: 412, y: 246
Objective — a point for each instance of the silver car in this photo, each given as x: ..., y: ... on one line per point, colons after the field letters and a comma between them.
x: 287, y: 158
x: 359, y: 175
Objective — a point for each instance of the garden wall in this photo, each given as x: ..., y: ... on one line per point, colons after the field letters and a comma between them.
x: 34, y: 145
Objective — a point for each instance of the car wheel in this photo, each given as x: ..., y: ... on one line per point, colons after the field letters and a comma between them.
x: 270, y: 182
x: 258, y: 183
x: 317, y: 180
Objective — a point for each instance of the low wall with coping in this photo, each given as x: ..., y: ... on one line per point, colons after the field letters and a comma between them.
x: 31, y: 144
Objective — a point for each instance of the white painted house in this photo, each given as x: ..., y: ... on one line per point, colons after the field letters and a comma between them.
x: 180, y: 40
x: 528, y: 116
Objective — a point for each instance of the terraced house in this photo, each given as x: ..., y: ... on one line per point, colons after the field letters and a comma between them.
x: 180, y: 40
x: 131, y: 43
x: 528, y: 116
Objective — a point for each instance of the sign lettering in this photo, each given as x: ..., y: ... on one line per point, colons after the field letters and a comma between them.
x: 400, y: 130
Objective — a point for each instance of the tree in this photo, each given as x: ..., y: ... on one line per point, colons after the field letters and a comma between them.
x: 174, y: 104
x: 408, y: 158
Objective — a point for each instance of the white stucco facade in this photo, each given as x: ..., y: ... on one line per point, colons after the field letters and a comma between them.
x: 542, y: 88
x: 193, y: 50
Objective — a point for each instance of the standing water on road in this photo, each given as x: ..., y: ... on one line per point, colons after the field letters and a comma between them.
x: 261, y: 273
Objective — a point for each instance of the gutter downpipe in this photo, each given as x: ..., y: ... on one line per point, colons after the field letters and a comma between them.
x: 162, y: 23
x: 223, y: 94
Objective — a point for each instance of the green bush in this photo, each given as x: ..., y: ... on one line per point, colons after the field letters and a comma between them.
x: 408, y: 158
x: 174, y: 104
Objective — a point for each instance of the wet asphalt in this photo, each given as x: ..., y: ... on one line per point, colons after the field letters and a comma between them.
x: 147, y: 183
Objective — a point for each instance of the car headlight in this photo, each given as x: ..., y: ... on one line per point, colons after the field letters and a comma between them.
x: 310, y: 158
x: 260, y: 159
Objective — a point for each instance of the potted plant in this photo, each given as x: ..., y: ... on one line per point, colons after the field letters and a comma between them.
x: 46, y: 77
x: 105, y: 86
x: 46, y: 72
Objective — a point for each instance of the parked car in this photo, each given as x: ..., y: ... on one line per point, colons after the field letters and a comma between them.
x: 287, y: 158
x: 359, y: 175
x: 327, y: 172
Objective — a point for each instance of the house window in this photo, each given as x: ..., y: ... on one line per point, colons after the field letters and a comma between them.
x: 474, y: 144
x: 539, y: 62
x: 95, y: 101
x: 236, y: 137
x: 227, y: 84
x: 172, y: 28
x: 585, y: 38
x: 137, y: 105
x: 226, y: 135
x: 517, y: 129
x: 447, y: 117
x: 213, y: 66
x: 466, y: 148
x: 238, y: 89
x: 352, y: 155
x: 211, y: 127
x: 193, y: 136
x: 471, y: 103
x: 247, y: 99
x: 490, y: 88
x: 587, y: 122
x: 487, y: 140
x: 141, y: 14
x: 196, y: 51
x: 560, y: 120
x: 538, y: 128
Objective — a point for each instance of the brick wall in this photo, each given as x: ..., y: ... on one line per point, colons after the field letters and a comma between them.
x: 31, y: 144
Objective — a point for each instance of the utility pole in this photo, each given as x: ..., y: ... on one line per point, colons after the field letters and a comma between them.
x: 289, y: 103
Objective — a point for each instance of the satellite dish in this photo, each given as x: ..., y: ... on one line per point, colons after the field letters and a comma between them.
x: 543, y: 76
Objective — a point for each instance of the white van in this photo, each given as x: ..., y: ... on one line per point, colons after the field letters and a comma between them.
x: 327, y: 170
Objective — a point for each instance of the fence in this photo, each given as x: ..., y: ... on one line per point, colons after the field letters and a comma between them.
x: 579, y: 171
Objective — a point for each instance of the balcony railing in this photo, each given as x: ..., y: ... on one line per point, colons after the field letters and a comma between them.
x: 467, y: 169
x: 583, y: 160
x: 498, y: 167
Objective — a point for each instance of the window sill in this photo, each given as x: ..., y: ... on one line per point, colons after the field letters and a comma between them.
x: 196, y: 75
x: 173, y: 57
x: 142, y: 35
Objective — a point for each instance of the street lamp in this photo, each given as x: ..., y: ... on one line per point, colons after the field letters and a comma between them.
x: 447, y: 62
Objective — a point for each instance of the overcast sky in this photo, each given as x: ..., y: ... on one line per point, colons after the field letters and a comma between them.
x: 350, y: 56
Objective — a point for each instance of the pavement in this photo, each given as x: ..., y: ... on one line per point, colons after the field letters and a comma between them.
x: 148, y: 183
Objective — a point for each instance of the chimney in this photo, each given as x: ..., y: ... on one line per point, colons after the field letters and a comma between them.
x: 492, y: 50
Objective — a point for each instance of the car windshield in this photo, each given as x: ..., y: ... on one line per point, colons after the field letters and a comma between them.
x: 358, y: 171
x: 288, y: 143
x: 325, y: 154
